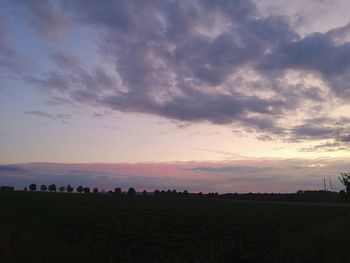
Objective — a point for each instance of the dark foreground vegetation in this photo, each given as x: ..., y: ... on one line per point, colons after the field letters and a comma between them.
x: 71, y: 227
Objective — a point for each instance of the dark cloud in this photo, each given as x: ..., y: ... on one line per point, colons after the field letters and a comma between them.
x: 156, y: 53
x: 332, y: 133
x: 58, y: 117
x: 307, y: 131
x: 244, y: 175
x: 330, y: 146
x: 72, y: 80
x: 231, y: 169
x: 41, y: 114
x: 112, y: 14
x: 101, y: 176
x: 198, y: 61
x: 54, y: 100
x: 11, y: 61
x: 45, y: 17
x: 11, y: 168
x: 67, y: 62
x: 199, y: 106
x: 226, y: 153
x: 316, y: 53
x: 6, y: 49
x: 265, y: 137
x: 345, y: 138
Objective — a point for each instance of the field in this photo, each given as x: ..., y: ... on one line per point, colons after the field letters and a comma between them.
x: 55, y: 227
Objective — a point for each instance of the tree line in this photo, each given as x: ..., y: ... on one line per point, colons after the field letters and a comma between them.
x: 301, y: 195
x: 117, y: 191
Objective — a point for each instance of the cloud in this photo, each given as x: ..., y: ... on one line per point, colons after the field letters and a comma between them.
x: 11, y: 61
x: 45, y: 17
x: 244, y: 175
x: 345, y: 138
x: 11, y: 168
x: 40, y: 114
x: 220, y: 62
x: 58, y: 117
x: 231, y: 169
x: 329, y: 146
x: 316, y: 53
x: 330, y: 133
x: 306, y: 131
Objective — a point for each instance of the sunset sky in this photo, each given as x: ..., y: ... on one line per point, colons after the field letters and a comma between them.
x: 227, y: 95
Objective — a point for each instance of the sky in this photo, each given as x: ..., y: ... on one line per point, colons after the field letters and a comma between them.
x: 227, y: 95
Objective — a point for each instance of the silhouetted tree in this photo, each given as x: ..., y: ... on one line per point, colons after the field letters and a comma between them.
x: 344, y: 178
x: 95, y: 190
x: 7, y: 188
x: 118, y: 191
x: 32, y: 187
x: 70, y: 189
x: 213, y: 194
x: 174, y: 193
x: 25, y: 189
x: 185, y: 194
x: 43, y: 187
x: 131, y: 191
x: 144, y: 192
x: 80, y: 189
x: 52, y: 188
x: 62, y: 189
x: 86, y: 190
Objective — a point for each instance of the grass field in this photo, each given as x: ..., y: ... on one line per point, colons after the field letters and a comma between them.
x: 54, y: 227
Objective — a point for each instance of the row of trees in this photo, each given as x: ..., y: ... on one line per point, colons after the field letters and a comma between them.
x: 344, y: 179
x: 50, y: 188
x: 70, y: 189
x: 117, y: 191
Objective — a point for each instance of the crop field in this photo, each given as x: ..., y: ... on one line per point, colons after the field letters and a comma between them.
x: 55, y: 227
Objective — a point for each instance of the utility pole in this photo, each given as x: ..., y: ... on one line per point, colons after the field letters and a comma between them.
x: 324, y: 184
